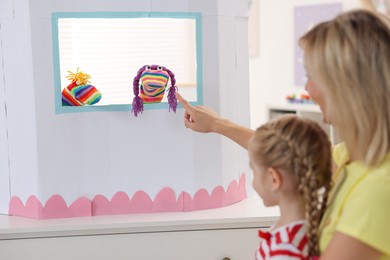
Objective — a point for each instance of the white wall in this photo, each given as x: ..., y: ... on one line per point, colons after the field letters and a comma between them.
x: 272, y: 72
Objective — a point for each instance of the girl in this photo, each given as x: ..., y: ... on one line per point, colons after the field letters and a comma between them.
x: 290, y: 159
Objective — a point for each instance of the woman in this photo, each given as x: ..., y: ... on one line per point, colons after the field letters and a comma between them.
x: 348, y: 64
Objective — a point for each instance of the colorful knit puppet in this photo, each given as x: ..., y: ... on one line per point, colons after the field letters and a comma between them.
x: 149, y: 87
x: 79, y: 92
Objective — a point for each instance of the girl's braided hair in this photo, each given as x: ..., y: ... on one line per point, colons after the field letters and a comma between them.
x: 299, y: 146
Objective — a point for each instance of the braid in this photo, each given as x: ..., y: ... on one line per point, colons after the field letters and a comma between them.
x: 300, y: 147
x: 310, y: 193
x: 324, y: 197
x: 308, y: 186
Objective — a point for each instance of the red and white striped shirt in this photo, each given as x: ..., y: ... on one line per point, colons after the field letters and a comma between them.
x: 288, y: 242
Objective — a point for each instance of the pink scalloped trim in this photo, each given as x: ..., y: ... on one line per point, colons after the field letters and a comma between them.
x: 55, y: 207
x: 120, y: 203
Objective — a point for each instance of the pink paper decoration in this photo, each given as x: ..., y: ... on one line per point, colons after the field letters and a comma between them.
x: 120, y: 203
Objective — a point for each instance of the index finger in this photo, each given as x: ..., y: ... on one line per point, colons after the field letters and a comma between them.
x: 187, y: 106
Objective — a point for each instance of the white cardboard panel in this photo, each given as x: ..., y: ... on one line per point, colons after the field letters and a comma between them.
x: 235, y: 8
x: 103, y: 153
x: 227, y: 67
x: 4, y: 156
x: 206, y: 7
x: 229, y: 91
x: 210, y: 58
x: 242, y: 97
x: 44, y: 8
x: 20, y: 106
x: 207, y: 148
x: 242, y: 66
x: 22, y: 8
x: 87, y: 166
x: 234, y: 91
x: 169, y: 6
x: 6, y: 9
x: 85, y: 154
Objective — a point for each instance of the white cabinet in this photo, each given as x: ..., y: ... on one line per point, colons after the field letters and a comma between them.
x: 305, y: 110
x: 236, y: 244
x: 214, y: 234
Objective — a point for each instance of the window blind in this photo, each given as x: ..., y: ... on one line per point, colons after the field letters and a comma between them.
x: 112, y: 50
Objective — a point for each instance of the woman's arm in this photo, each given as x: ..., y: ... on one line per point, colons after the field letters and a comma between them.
x: 348, y: 248
x: 239, y: 134
x: 205, y: 120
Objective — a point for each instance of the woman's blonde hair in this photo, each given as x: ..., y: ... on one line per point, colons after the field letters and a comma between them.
x: 299, y: 147
x: 349, y: 58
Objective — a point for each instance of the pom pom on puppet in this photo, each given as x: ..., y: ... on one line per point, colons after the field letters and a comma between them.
x: 149, y: 87
x: 79, y: 92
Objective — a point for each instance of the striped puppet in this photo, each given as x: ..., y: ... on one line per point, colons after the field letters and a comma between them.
x: 149, y: 87
x: 79, y: 92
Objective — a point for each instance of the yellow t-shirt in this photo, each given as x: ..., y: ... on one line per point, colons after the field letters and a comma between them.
x: 361, y: 205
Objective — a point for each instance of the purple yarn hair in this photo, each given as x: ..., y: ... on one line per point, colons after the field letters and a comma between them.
x: 172, y: 100
x: 138, y: 103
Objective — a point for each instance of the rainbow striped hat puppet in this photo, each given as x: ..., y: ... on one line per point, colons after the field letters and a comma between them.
x: 149, y: 87
x: 79, y: 92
